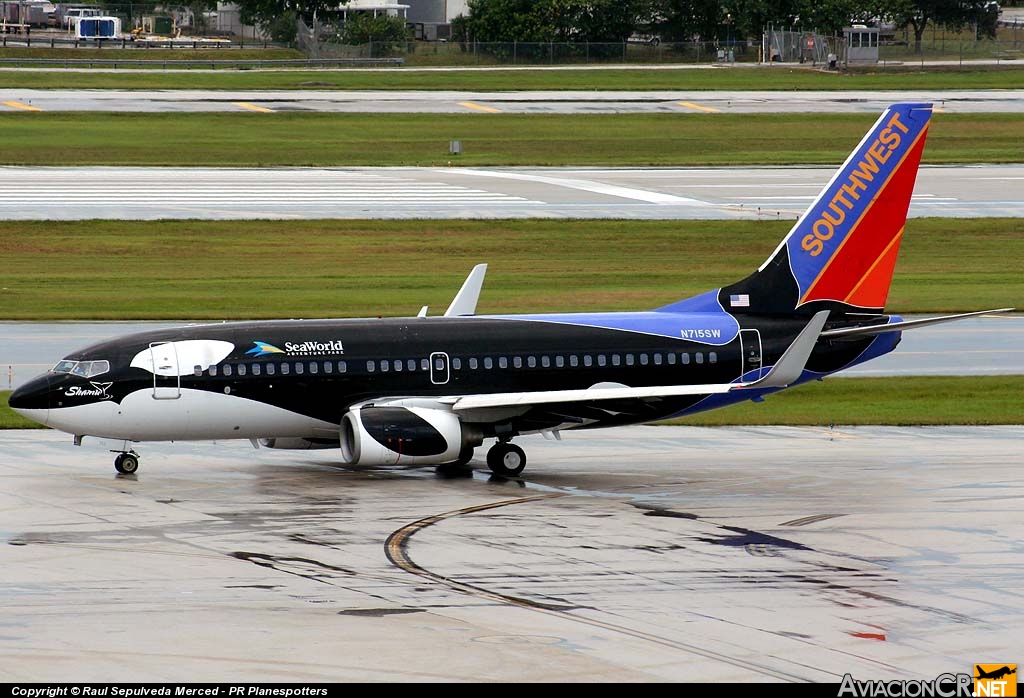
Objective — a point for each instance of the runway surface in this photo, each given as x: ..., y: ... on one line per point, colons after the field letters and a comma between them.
x: 987, y: 345
x: 634, y: 554
x: 149, y: 193
x: 517, y: 102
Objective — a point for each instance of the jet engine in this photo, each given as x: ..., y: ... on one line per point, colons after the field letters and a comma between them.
x: 387, y: 435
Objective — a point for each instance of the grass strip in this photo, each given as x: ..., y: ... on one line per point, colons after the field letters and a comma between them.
x: 247, y: 139
x: 122, y: 270
x: 896, y: 401
x: 597, y: 79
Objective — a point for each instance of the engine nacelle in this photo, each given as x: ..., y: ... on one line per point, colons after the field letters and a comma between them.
x: 298, y: 443
x: 410, y: 435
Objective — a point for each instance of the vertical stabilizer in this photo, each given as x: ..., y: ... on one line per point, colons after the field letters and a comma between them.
x: 841, y: 254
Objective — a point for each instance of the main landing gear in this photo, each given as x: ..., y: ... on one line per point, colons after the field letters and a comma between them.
x: 126, y: 463
x: 506, y: 459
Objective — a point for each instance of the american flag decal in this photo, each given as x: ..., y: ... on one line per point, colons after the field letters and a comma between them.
x: 741, y: 300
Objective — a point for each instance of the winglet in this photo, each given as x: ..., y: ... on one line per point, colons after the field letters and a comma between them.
x: 467, y: 297
x: 791, y: 364
x: 423, y: 311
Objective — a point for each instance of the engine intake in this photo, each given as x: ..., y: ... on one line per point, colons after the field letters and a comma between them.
x: 403, y: 435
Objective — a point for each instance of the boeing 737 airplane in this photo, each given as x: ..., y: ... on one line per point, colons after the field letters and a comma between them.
x: 428, y: 390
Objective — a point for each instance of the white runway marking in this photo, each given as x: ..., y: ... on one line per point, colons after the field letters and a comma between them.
x: 650, y: 197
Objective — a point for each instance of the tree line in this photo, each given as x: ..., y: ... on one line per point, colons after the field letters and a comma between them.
x: 707, y: 20
x: 668, y: 20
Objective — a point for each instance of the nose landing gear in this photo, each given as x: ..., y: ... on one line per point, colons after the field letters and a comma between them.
x: 127, y: 462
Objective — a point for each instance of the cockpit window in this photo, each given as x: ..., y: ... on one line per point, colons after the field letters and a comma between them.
x: 83, y: 369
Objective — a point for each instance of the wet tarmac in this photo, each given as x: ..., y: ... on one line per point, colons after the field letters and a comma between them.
x: 633, y: 554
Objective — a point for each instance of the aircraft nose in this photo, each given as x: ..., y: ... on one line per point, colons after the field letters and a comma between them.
x: 32, y: 400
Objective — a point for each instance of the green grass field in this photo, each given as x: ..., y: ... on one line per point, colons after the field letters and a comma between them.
x: 336, y: 268
x: 324, y: 139
x: 710, y: 78
x: 898, y: 401
x: 914, y: 401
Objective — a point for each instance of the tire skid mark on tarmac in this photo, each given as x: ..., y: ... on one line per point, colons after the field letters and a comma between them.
x: 396, y: 548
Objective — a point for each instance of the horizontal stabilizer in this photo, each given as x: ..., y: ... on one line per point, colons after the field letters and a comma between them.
x: 869, y: 330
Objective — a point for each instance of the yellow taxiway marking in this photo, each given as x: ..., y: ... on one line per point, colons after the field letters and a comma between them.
x: 479, y: 107
x: 21, y: 105
x: 691, y: 105
x: 253, y: 107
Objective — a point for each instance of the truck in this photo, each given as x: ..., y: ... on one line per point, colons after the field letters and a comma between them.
x: 31, y: 14
x: 70, y: 16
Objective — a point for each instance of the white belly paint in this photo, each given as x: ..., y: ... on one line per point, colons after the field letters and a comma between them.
x: 198, y: 415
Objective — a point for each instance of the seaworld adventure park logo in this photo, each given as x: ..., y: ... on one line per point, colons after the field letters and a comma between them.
x: 308, y: 348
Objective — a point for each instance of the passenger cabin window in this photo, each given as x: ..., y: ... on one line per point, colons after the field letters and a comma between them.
x: 657, y: 359
x: 342, y: 367
x: 285, y: 369
x: 398, y: 365
x: 699, y: 357
x: 531, y: 361
x: 384, y: 366
x: 488, y: 362
x: 256, y: 369
x: 502, y: 362
x: 588, y: 360
x: 241, y: 369
x: 643, y: 359
x: 685, y: 357
x: 271, y: 369
x: 197, y: 370
x: 411, y: 364
x: 574, y: 360
x: 545, y: 361
x: 299, y: 368
x: 630, y: 359
x: 328, y: 367
x: 314, y: 367
x: 712, y: 358
x: 425, y: 364
x: 227, y: 369
x: 517, y: 361
x: 371, y: 366
x: 213, y: 370
x: 602, y: 360
x: 473, y: 363
x: 560, y: 361
x: 457, y: 363
x: 616, y: 360
x: 671, y: 359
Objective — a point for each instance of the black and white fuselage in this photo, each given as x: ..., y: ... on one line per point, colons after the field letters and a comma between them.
x: 430, y: 389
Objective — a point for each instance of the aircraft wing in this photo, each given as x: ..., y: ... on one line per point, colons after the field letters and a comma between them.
x: 789, y: 368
